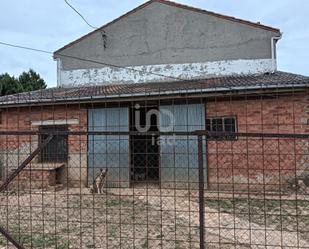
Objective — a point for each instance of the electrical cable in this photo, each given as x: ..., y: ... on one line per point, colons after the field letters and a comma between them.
x: 80, y: 15
x: 90, y: 60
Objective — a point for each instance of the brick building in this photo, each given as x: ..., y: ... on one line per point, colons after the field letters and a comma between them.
x: 209, y: 71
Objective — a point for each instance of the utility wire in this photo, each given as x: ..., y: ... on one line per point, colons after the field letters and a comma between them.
x: 90, y: 60
x: 78, y: 13
x: 85, y: 20
x: 27, y: 48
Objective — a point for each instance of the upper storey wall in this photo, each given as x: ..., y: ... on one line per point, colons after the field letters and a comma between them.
x: 171, y: 41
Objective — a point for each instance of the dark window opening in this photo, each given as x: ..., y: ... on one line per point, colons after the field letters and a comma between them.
x: 222, y: 124
x: 57, y: 149
x: 217, y: 125
x: 229, y: 125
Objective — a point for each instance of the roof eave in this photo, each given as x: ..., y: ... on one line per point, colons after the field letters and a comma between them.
x: 219, y: 90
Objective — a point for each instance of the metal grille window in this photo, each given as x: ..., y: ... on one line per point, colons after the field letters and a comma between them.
x: 57, y: 149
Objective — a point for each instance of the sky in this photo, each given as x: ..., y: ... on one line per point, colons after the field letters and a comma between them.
x: 51, y: 24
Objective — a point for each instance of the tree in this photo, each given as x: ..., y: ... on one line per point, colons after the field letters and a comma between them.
x: 8, y: 85
x: 27, y: 81
x: 31, y: 81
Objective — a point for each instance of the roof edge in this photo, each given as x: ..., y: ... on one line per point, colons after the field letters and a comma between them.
x: 294, y: 83
x: 174, y: 4
x: 233, y: 90
x: 227, y: 17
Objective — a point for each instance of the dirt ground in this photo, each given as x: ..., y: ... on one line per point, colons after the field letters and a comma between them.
x: 152, y: 218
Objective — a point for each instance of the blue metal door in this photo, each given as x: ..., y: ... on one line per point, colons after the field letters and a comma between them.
x: 110, y: 152
x: 179, y: 154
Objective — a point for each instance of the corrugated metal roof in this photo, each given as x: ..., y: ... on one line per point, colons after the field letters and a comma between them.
x: 273, y: 80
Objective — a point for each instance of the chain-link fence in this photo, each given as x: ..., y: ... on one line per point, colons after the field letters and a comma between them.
x: 249, y: 190
x: 170, y: 169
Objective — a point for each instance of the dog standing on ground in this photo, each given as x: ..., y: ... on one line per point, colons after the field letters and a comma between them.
x: 98, y: 182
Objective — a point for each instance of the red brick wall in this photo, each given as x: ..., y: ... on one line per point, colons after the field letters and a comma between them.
x: 16, y: 148
x: 20, y: 118
x: 243, y: 163
x: 254, y: 162
x: 35, y: 179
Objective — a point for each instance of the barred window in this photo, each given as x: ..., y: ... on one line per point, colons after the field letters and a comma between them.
x: 57, y: 149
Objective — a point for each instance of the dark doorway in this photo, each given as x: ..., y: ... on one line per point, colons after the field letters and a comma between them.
x: 56, y: 151
x: 144, y: 148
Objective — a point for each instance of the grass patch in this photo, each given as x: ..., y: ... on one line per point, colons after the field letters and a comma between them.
x: 118, y: 202
x: 178, y: 245
x: 2, y: 241
x: 35, y: 240
x: 145, y: 244
x: 288, y: 215
x: 257, y: 206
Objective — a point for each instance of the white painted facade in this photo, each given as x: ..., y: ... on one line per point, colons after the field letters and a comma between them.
x: 55, y: 122
x: 162, y: 73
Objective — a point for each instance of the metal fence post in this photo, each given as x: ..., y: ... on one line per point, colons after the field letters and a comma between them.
x: 201, y: 192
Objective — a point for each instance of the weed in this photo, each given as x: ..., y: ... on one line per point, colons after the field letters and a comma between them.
x: 2, y: 241
x: 113, y: 231
x: 117, y: 202
x: 145, y: 244
x: 177, y: 245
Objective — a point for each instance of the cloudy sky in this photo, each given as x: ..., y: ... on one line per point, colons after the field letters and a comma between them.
x: 50, y: 24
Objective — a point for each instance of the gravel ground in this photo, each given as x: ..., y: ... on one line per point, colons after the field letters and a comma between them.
x: 151, y: 218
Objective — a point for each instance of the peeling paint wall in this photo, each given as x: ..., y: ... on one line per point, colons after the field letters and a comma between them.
x: 108, y: 75
x: 167, y: 40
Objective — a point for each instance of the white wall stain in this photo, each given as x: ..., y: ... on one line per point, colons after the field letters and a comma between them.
x: 110, y: 75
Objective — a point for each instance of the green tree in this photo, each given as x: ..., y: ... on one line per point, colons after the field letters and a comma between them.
x: 8, y: 85
x: 31, y: 81
x: 27, y: 81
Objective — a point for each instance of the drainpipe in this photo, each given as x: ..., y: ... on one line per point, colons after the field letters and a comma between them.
x: 274, y: 41
x: 59, y: 69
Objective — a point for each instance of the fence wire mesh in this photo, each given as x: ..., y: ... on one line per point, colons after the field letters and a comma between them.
x: 221, y: 172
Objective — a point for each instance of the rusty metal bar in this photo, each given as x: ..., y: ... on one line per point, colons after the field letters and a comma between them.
x: 201, y: 192
x: 7, y: 235
x: 176, y: 133
x: 25, y: 163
